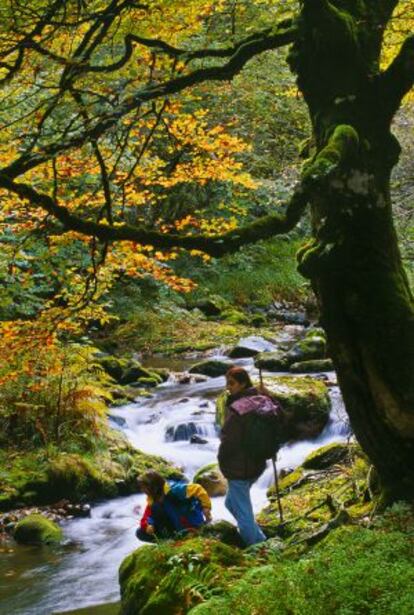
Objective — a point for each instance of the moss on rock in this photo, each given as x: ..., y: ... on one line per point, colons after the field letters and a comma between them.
x: 44, y: 476
x: 37, y: 530
x: 158, y: 579
x: 308, y: 367
x: 212, y: 368
x: 327, y: 456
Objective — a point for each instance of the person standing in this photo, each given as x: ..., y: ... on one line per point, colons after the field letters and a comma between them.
x: 238, y: 463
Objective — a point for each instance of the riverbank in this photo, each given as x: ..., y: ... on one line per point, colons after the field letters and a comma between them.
x: 333, y: 553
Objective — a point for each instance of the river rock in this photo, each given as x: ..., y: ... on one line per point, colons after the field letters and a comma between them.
x: 250, y: 347
x: 212, y: 480
x: 196, y: 439
x: 36, y: 530
x: 311, y: 347
x: 292, y: 318
x: 184, y: 431
x: 307, y: 367
x: 212, y: 368
x: 274, y: 361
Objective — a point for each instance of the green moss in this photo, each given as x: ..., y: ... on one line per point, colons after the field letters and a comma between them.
x: 221, y: 405
x: 47, y: 475
x: 326, y: 456
x: 342, y: 145
x: 354, y: 571
x: 36, y: 529
x: 161, y: 578
x: 304, y: 396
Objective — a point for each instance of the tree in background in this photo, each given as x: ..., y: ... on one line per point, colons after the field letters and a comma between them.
x: 87, y: 88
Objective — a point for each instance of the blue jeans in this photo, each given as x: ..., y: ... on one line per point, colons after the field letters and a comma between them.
x: 238, y: 502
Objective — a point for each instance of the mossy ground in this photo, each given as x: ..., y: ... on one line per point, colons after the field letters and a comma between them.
x: 363, y: 566
x: 45, y: 475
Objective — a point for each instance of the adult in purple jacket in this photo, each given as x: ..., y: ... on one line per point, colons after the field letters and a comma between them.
x: 237, y: 463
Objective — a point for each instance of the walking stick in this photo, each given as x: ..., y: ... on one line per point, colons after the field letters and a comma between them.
x: 279, y: 503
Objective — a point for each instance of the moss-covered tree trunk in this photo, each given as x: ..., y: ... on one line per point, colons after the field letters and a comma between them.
x: 354, y: 261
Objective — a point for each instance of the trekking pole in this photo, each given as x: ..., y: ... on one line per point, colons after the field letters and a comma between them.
x: 279, y: 503
x: 261, y: 378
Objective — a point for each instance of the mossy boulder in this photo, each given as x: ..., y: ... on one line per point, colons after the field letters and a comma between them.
x: 311, y: 347
x: 304, y: 397
x: 156, y: 579
x: 211, y: 479
x: 125, y: 371
x: 212, y: 368
x: 209, y: 306
x: 308, y: 367
x: 37, y: 530
x: 327, y: 456
x: 274, y: 361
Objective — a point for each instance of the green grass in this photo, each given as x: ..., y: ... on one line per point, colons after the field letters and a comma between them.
x: 355, y: 571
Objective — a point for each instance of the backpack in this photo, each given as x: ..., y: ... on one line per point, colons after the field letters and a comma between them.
x: 263, y: 435
x: 263, y: 425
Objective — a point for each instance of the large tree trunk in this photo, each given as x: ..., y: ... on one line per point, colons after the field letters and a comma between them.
x: 367, y: 311
x: 354, y: 261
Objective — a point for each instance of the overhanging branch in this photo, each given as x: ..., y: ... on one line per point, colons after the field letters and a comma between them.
x: 263, y: 228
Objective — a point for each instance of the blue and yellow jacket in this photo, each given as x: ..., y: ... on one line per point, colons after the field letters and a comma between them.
x: 182, y: 506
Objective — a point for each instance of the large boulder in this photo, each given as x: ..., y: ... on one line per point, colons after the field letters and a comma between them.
x: 211, y: 479
x: 37, y: 530
x: 305, y: 399
x: 211, y: 367
x: 250, y: 347
x: 156, y: 578
x: 274, y: 361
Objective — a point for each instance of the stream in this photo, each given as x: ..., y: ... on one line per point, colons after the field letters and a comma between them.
x: 82, y: 573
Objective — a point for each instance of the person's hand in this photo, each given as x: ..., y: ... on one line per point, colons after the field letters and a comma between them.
x: 150, y: 530
x: 207, y: 515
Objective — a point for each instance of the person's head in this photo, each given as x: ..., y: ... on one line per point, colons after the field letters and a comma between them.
x: 237, y: 380
x: 152, y: 483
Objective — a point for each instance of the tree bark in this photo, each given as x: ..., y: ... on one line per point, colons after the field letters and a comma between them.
x: 353, y: 261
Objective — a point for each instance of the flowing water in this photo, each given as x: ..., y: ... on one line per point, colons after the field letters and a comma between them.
x: 83, y: 572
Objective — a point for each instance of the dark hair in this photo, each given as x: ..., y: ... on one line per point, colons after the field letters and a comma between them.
x: 153, y: 483
x: 240, y: 375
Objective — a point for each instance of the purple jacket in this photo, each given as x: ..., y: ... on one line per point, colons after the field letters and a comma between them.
x: 235, y: 461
